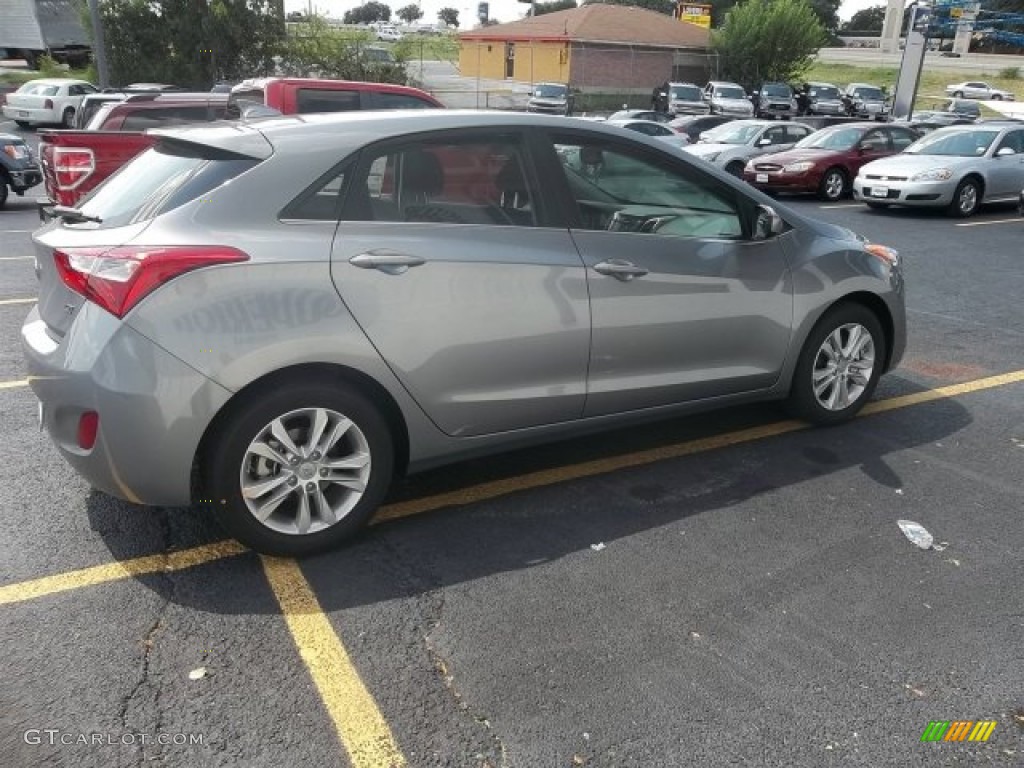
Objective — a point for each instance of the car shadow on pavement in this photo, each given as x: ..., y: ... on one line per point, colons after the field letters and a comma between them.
x: 521, y: 529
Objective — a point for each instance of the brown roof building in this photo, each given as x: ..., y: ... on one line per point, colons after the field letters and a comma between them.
x: 593, y: 48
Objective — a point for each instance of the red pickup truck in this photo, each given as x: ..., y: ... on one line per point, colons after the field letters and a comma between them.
x: 74, y: 162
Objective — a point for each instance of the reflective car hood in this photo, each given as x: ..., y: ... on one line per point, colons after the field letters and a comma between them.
x: 733, y: 103
x: 702, y: 150
x: 903, y: 164
x: 796, y: 155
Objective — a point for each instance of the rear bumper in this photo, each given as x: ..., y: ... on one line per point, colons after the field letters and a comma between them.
x: 30, y: 115
x: 153, y: 409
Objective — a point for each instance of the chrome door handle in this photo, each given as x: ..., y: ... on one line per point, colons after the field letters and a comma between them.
x: 391, y: 262
x: 620, y: 269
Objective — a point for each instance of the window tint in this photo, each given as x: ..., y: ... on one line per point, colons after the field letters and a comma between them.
x: 399, y: 101
x: 158, y: 180
x: 322, y: 201
x: 316, y: 100
x: 475, y: 180
x: 618, y: 190
x: 1014, y: 140
x: 875, y: 141
x: 142, y: 119
x: 901, y: 139
x: 797, y: 132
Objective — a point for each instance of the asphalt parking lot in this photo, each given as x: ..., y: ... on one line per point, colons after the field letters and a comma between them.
x: 729, y: 589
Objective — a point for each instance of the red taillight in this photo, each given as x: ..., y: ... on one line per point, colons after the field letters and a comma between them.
x: 71, y: 166
x: 119, y: 278
x: 88, y: 426
x: 48, y: 104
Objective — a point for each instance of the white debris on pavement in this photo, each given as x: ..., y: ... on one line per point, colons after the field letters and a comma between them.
x: 916, y: 533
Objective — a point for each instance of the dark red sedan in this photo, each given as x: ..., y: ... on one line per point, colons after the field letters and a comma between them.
x: 828, y: 160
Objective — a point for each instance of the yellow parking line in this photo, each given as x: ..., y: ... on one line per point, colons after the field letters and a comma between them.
x: 100, y: 574
x: 1017, y: 220
x: 6, y: 302
x: 361, y: 727
x: 496, y: 488
x: 173, y: 561
x: 13, y: 384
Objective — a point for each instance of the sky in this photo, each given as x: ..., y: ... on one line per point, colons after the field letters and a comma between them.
x: 502, y: 10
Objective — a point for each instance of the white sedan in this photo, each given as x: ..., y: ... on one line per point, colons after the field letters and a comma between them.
x: 651, y: 128
x: 976, y: 89
x: 53, y: 100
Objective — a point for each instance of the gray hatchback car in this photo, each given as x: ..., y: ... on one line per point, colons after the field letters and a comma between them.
x: 281, y: 316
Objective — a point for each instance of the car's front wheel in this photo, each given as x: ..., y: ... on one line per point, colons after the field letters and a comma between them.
x: 297, y: 470
x: 736, y: 168
x: 966, y: 199
x: 833, y: 185
x: 839, y: 365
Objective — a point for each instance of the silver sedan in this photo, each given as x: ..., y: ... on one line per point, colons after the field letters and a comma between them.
x: 276, y: 319
x: 730, y: 146
x: 957, y: 168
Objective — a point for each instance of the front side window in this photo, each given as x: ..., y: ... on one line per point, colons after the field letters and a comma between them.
x: 470, y: 180
x: 1013, y: 140
x: 619, y: 190
x: 901, y: 139
x: 875, y: 141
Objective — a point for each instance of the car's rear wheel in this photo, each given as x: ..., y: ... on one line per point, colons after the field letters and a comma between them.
x: 735, y: 168
x: 839, y: 366
x: 299, y: 469
x: 966, y: 199
x: 833, y: 185
x: 68, y: 118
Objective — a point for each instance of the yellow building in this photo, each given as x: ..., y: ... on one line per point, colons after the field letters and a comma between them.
x: 592, y: 47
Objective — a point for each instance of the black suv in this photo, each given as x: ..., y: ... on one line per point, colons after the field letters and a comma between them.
x: 18, y: 168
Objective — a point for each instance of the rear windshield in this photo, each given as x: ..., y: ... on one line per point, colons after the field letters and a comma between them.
x: 38, y: 89
x: 160, y: 180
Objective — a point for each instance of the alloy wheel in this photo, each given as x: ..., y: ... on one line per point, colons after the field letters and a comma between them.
x: 967, y: 199
x: 843, y: 366
x: 834, y: 185
x: 305, y: 471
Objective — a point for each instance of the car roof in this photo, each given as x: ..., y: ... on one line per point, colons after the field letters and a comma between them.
x: 57, y: 81
x: 680, y: 82
x: 300, y: 133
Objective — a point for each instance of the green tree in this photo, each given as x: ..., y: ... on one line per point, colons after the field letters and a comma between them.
x: 866, y: 20
x: 410, y: 13
x: 827, y: 12
x: 449, y: 16
x: 173, y: 41
x: 314, y: 47
x: 539, y: 9
x: 368, y: 13
x: 765, y: 40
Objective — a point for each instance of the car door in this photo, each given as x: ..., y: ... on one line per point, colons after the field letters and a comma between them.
x: 874, y: 144
x: 1005, y: 173
x: 447, y: 258
x: 684, y: 304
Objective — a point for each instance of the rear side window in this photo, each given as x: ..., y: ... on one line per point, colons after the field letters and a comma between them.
x: 159, y: 180
x: 399, y: 101
x: 309, y: 100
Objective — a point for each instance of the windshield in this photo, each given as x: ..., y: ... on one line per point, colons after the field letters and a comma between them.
x: 868, y: 94
x: 731, y: 133
x: 730, y: 93
x: 685, y: 93
x: 548, y: 91
x: 824, y: 92
x: 954, y: 144
x: 777, y: 91
x: 838, y: 139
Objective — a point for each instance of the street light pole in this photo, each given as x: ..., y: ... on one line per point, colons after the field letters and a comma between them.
x: 99, y: 46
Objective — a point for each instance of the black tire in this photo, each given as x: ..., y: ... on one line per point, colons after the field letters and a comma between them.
x: 22, y: 124
x: 997, y: 97
x: 803, y: 402
x: 736, y: 168
x: 3, y: 189
x: 835, y: 185
x: 961, y: 206
x: 958, y: 94
x: 225, y: 459
x: 67, y: 120
x: 876, y: 206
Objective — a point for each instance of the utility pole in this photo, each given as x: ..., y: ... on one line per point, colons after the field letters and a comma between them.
x: 99, y: 45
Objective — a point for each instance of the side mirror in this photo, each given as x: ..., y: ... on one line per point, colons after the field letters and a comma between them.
x: 768, y: 223
x: 1005, y: 152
